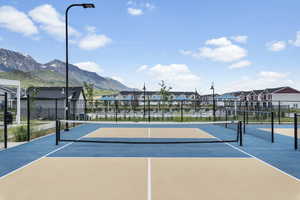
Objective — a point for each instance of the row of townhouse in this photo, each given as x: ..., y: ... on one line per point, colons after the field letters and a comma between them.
x: 269, y: 97
x: 153, y: 96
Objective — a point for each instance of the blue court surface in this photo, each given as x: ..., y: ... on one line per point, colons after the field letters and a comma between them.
x: 153, y: 164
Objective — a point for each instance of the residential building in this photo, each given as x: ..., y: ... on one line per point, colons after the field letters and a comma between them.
x: 50, y: 102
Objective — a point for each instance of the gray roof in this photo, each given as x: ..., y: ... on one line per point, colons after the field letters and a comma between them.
x: 55, y: 92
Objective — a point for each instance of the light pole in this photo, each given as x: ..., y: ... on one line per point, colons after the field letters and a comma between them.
x: 84, y: 5
x: 144, y: 88
x: 214, y: 103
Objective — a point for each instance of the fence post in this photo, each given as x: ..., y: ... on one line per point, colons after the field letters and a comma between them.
x: 240, y: 133
x: 5, y: 120
x: 149, y: 111
x: 181, y: 111
x: 56, y: 112
x: 28, y: 117
x: 116, y: 110
x: 295, y: 131
x: 272, y: 126
x: 279, y: 112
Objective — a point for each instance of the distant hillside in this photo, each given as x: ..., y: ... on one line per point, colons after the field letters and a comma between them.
x: 18, y: 66
x: 32, y: 78
x: 83, y: 75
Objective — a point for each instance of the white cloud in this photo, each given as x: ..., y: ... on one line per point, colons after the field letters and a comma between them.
x: 178, y: 76
x: 227, y: 53
x: 185, y: 52
x: 93, y: 41
x: 240, y: 38
x: 223, y: 41
x: 276, y: 45
x: 142, y: 68
x: 149, y: 6
x: 296, y: 42
x: 130, y: 2
x: 117, y: 78
x: 240, y: 64
x: 90, y: 66
x: 16, y: 21
x: 269, y: 75
x: 224, y: 51
x: 135, y: 11
x: 51, y: 21
x: 263, y: 79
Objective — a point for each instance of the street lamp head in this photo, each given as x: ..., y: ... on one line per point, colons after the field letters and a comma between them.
x: 88, y: 5
x: 212, y: 87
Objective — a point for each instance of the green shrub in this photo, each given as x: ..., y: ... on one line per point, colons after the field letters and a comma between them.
x: 20, y: 133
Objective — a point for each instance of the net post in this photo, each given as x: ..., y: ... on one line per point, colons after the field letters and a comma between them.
x: 56, y: 132
x: 28, y: 117
x: 272, y: 126
x: 244, y: 122
x: 226, y: 117
x: 5, y: 120
x: 295, y: 131
x: 240, y: 133
x: 279, y: 113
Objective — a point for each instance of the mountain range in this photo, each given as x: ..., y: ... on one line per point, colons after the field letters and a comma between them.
x: 18, y: 66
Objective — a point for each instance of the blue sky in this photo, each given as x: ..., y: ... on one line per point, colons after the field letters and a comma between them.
x: 240, y: 45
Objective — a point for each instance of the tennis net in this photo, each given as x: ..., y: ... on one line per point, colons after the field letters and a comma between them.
x: 259, y: 124
x: 146, y: 133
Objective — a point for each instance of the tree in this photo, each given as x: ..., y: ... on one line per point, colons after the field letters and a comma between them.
x: 165, y: 94
x: 89, y: 93
x: 164, y: 91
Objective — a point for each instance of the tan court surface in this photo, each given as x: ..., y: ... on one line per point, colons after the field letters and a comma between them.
x: 169, y: 178
x: 282, y: 131
x: 120, y: 132
x: 178, y: 133
x: 150, y: 132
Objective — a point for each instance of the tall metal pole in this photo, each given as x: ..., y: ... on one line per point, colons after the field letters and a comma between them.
x: 214, y: 103
x: 85, y: 5
x: 67, y: 68
x: 5, y: 120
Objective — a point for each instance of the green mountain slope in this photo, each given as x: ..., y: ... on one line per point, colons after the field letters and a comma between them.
x: 38, y: 78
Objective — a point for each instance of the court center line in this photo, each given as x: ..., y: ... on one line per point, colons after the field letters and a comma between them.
x: 264, y: 162
x: 149, y: 178
x: 149, y: 182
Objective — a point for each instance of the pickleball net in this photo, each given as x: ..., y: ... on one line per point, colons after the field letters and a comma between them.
x: 259, y: 124
x: 157, y: 133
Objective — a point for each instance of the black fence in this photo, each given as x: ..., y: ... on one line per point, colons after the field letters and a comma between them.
x: 38, y: 115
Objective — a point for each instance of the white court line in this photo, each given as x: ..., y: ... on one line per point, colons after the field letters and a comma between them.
x: 149, y: 177
x: 277, y: 169
x: 30, y: 163
x: 149, y: 182
x: 252, y: 156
